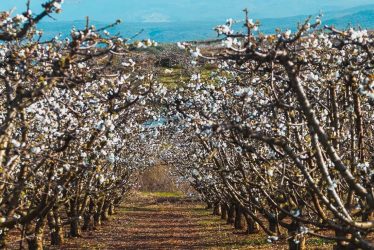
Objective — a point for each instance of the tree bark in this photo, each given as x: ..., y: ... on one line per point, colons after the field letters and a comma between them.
x: 295, y: 241
x: 224, y: 211
x: 209, y: 205
x: 297, y: 244
x: 56, y: 228
x: 343, y: 245
x: 231, y: 214
x: 3, y: 240
x: 216, y: 209
x: 35, y: 235
x: 238, y: 224
x: 369, y: 216
x: 273, y: 224
x: 111, y: 210
x: 87, y: 216
x: 252, y: 226
x: 97, y: 215
x: 104, y: 213
x: 74, y: 217
x: 74, y: 228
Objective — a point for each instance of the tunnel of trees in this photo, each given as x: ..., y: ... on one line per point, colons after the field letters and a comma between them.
x: 276, y: 130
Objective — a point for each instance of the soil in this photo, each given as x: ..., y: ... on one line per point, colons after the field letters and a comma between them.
x: 162, y: 221
x: 153, y: 222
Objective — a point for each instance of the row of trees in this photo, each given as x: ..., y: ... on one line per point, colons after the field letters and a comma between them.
x: 282, y: 132
x: 71, y: 111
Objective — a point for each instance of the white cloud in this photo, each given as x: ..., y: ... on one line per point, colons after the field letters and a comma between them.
x: 155, y: 17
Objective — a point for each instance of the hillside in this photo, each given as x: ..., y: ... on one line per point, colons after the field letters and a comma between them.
x: 185, y: 31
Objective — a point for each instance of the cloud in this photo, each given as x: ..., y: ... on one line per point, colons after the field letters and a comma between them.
x: 155, y: 17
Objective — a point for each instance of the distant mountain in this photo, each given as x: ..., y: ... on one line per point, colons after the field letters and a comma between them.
x: 161, y: 32
x: 361, y: 15
x: 185, y: 31
x: 350, y: 11
x: 363, y: 18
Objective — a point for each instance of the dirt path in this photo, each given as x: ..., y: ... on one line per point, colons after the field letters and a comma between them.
x: 154, y: 222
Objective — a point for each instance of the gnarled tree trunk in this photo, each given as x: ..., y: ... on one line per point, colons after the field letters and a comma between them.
x: 238, y: 224
x: 343, y: 245
x: 97, y: 214
x: 3, y: 239
x: 252, y: 226
x: 216, y: 209
x: 87, y: 216
x: 224, y: 211
x: 35, y: 235
x: 104, y: 213
x: 111, y: 210
x: 56, y: 227
x: 296, y: 241
x: 231, y: 214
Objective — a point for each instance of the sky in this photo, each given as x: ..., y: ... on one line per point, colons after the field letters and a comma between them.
x: 185, y: 10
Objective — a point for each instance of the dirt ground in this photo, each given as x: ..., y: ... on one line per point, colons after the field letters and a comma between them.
x: 156, y: 221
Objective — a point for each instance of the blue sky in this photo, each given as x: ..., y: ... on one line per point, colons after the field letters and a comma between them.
x: 186, y: 10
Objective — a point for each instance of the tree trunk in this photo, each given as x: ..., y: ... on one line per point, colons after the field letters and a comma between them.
x: 87, y: 222
x: 57, y: 237
x: 104, y: 213
x: 216, y: 209
x: 209, y: 205
x: 295, y: 241
x: 56, y: 228
x: 35, y: 235
x: 368, y: 216
x: 111, y: 210
x: 273, y: 225
x: 87, y: 216
x: 223, y: 211
x: 238, y: 224
x: 252, y: 226
x: 97, y: 215
x: 74, y: 228
x: 3, y: 242
x: 231, y: 214
x: 74, y: 217
x: 343, y: 245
